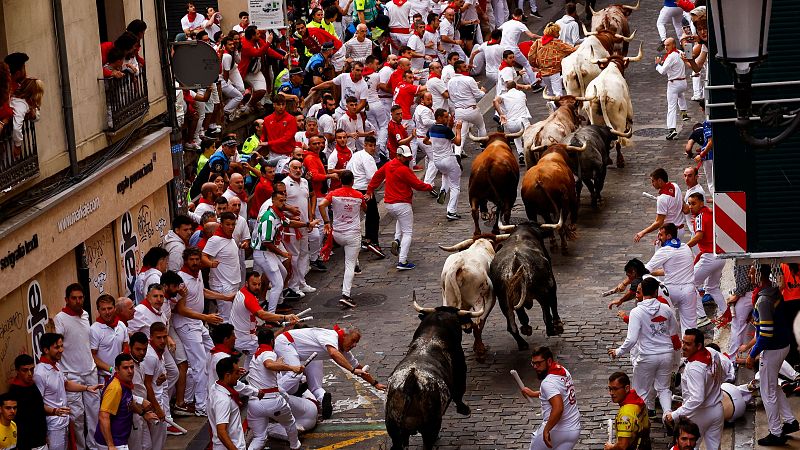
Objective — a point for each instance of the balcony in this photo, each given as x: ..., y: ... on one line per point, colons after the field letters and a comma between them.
x: 20, y: 163
x: 126, y: 99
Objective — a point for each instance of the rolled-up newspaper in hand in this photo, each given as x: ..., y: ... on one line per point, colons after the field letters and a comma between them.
x: 649, y: 195
x: 609, y: 292
x: 302, y: 319
x: 362, y: 370
x: 610, y: 430
x: 519, y: 383
x: 171, y: 422
x: 306, y: 363
x: 303, y: 312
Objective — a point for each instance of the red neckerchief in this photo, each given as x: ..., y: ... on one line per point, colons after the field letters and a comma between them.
x: 367, y: 71
x: 17, y: 382
x: 557, y: 370
x: 70, y: 312
x: 702, y: 355
x: 191, y: 16
x: 145, y: 269
x: 433, y: 75
x: 430, y: 29
x: 465, y: 73
x: 220, y: 233
x: 263, y: 348
x: 207, y: 202
x: 668, y: 53
x: 546, y: 39
x: 147, y: 305
x: 339, y: 332
x: 111, y: 324
x: 222, y: 348
x: 503, y: 65
x: 668, y: 189
x: 351, y: 77
x: 193, y: 273
x: 234, y: 394
x: 633, y: 399
x: 243, y: 197
x: 47, y: 360
x: 399, y: 2
x: 343, y: 155
x: 492, y: 42
x: 124, y: 383
x: 351, y: 116
x: 386, y: 64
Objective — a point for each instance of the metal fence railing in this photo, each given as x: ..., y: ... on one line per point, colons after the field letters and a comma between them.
x: 18, y: 162
x: 126, y: 99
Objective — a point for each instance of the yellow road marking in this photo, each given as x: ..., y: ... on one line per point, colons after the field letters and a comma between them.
x: 343, y: 444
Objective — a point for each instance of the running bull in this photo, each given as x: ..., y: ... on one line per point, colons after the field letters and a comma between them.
x: 494, y: 178
x: 589, y: 166
x: 552, y: 130
x: 433, y: 372
x: 520, y: 272
x: 614, y: 18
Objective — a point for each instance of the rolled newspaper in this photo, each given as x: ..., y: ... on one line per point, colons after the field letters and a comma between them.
x: 302, y: 319
x: 306, y: 362
x: 609, y: 292
x: 364, y: 369
x: 303, y: 312
x: 171, y: 422
x: 649, y: 195
x: 519, y: 383
x: 610, y: 430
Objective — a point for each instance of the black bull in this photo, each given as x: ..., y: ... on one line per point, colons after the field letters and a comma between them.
x: 521, y: 272
x: 433, y: 372
x: 590, y: 165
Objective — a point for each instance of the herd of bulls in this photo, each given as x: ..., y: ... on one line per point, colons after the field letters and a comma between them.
x: 514, y: 269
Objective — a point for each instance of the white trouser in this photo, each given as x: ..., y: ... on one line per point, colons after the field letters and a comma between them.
x: 500, y: 8
x: 787, y: 371
x: 653, y: 371
x: 179, y: 357
x: 534, y: 6
x: 305, y: 414
x: 430, y: 167
x: 709, y: 420
x: 404, y: 228
x: 57, y: 439
x: 313, y: 372
x: 697, y: 85
x: 708, y: 168
x: 172, y: 379
x: 470, y: 117
x: 197, y: 344
x: 675, y: 100
x: 521, y: 59
x: 299, y: 251
x: 451, y: 179
x: 270, y: 265
x: 669, y: 14
x: 455, y: 48
x: 84, y: 407
x: 378, y: 117
x: 561, y: 440
x: 775, y: 403
x: 739, y: 323
x: 272, y: 406
x: 708, y: 272
x: 155, y: 436
x: 399, y: 40
x: 490, y: 80
x: 232, y: 96
x: 315, y: 236
x: 553, y: 86
x: 684, y: 299
x: 136, y: 438
x: 223, y: 306
x: 514, y: 126
x: 352, y: 247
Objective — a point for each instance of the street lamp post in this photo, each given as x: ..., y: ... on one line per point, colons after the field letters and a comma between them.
x: 741, y: 29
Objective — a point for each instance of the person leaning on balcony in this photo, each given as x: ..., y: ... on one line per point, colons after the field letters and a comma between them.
x: 25, y: 102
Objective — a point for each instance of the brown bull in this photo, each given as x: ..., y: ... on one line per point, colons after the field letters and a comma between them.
x: 614, y: 18
x: 548, y: 190
x: 494, y: 178
x: 552, y: 130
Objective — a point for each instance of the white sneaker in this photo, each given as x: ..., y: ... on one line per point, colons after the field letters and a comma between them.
x: 307, y: 289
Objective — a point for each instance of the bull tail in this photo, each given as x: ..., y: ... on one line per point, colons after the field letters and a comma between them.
x: 549, y: 197
x: 451, y: 282
x: 410, y: 391
x: 515, y: 287
x: 581, y: 84
x: 623, y: 141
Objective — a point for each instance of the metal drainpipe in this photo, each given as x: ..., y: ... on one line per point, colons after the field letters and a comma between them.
x: 66, y: 90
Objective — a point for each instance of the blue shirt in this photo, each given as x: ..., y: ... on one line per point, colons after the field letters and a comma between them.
x: 707, y: 138
x: 671, y: 3
x: 289, y: 88
x: 316, y: 66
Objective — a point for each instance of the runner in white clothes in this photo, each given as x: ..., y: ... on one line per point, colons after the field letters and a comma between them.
x: 423, y: 120
x: 447, y: 33
x: 378, y: 113
x: 464, y: 96
x: 108, y: 337
x: 512, y: 107
x: 701, y: 388
x: 492, y: 52
x: 224, y: 412
x: 443, y: 143
x: 437, y: 87
x: 221, y: 254
x: 399, y: 23
x: 154, y: 263
x: 653, y: 329
x: 155, y: 383
x: 669, y: 204
x: 692, y: 186
x: 78, y: 364
x: 512, y: 30
x: 347, y: 205
x: 674, y: 261
x: 295, y: 346
x: 561, y: 419
x: 264, y: 370
x: 351, y: 84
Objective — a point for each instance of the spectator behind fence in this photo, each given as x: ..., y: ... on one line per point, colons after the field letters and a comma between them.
x: 25, y: 102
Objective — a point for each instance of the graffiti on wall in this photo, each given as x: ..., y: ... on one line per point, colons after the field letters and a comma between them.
x: 37, y: 317
x: 127, y: 250
x: 97, y: 263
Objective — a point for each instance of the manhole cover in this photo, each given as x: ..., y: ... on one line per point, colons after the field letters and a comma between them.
x: 650, y: 132
x: 361, y: 299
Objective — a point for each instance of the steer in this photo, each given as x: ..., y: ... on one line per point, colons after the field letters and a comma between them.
x: 611, y: 104
x: 590, y: 166
x: 577, y: 69
x: 494, y: 177
x: 548, y: 190
x: 614, y: 18
x: 521, y: 272
x: 552, y: 130
x: 433, y: 372
x: 466, y: 285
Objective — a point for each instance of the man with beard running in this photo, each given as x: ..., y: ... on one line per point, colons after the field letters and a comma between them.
x: 561, y: 425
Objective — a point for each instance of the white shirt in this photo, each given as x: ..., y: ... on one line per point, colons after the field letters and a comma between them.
x: 701, y: 386
x: 363, y: 166
x: 673, y: 67
x: 201, y: 209
x: 689, y: 218
x: 153, y: 365
x: 297, y: 195
x: 437, y: 87
x: 372, y: 81
x: 503, y: 76
x: 650, y: 327
x: 423, y: 7
x: 515, y: 104
x: 227, y: 275
x: 470, y: 14
x: 671, y: 206
x: 423, y: 120
x: 727, y: 366
x: 143, y: 317
x: 326, y: 125
x: 143, y: 280
x: 223, y: 409
x: 310, y: 340
x: 229, y: 194
x: 351, y: 126
x: 678, y: 264
x: 195, y: 301
x: 347, y: 213
x: 50, y: 382
x: 350, y: 88
x: 512, y: 30
x: 431, y: 37
x: 108, y: 341
x: 383, y: 77
x: 570, y: 32
x: 211, y: 370
x: 198, y: 22
x: 416, y: 43
x: 260, y: 377
x: 562, y: 385
x: 493, y: 55
x: 447, y: 72
x: 77, y: 357
x: 464, y: 91
x: 243, y: 320
x: 398, y: 15
x: 241, y: 232
x: 446, y: 29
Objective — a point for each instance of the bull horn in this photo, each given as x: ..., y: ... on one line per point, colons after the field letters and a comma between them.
x: 587, y: 32
x: 550, y: 97
x: 599, y: 61
x: 557, y: 226
x: 477, y: 138
x: 592, y: 10
x: 458, y: 247
x: 638, y: 57
x: 632, y: 8
x: 626, y: 39
x: 539, y: 148
x: 506, y: 228
x: 628, y: 134
x: 501, y: 237
x: 586, y: 99
x: 473, y: 314
x: 515, y: 134
x: 571, y: 148
x: 420, y: 309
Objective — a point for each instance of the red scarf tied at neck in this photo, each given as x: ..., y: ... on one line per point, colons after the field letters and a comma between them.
x: 702, y: 355
x: 234, y: 394
x: 222, y: 234
x: 70, y: 312
x: 339, y: 332
x: 367, y: 71
x: 633, y: 399
x: 546, y: 39
x: 191, y: 16
x: 16, y: 381
x: 263, y: 348
x: 557, y: 370
x: 111, y: 323
x: 668, y: 189
x: 149, y: 306
x: 193, y: 273
x: 504, y: 64
x: 46, y: 360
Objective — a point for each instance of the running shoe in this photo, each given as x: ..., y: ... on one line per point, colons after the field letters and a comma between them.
x: 434, y: 193
x: 453, y: 216
x: 357, y: 270
x: 441, y: 196
x: 290, y: 294
x: 536, y: 15
x: 672, y: 134
x: 172, y: 431
x: 318, y: 266
x: 685, y: 116
x: 308, y: 289
x: 375, y: 248
x: 181, y: 411
x: 327, y: 406
x: 396, y: 247
x: 405, y: 266
x: 347, y: 301
x: 200, y: 412
x: 703, y: 321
